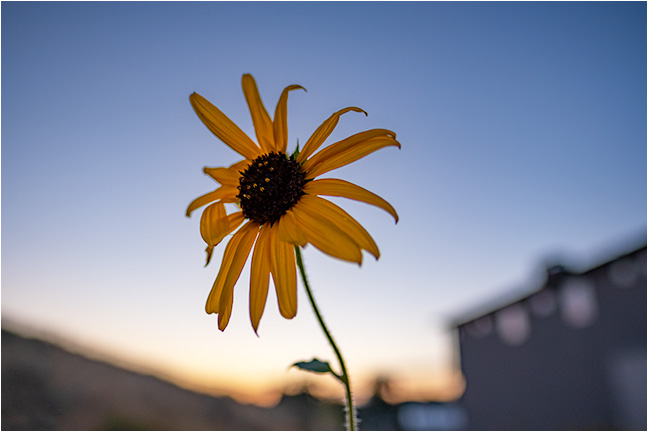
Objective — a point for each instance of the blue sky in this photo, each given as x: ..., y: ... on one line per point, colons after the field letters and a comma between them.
x: 523, y: 132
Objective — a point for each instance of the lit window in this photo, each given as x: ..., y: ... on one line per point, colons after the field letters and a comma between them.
x: 513, y: 324
x: 578, y: 304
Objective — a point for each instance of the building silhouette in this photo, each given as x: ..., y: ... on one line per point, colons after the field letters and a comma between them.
x: 571, y: 355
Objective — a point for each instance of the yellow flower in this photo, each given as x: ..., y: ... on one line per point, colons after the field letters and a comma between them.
x: 279, y: 201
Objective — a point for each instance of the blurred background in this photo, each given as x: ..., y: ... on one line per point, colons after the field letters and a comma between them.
x: 522, y: 175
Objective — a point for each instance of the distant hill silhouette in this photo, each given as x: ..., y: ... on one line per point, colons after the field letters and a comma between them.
x: 45, y: 387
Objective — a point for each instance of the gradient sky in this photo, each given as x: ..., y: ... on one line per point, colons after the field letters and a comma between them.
x: 523, y: 132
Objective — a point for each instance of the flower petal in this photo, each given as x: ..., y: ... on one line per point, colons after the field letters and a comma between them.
x: 234, y: 258
x: 322, y: 132
x: 284, y: 274
x: 213, y: 223
x: 280, y: 123
x: 227, y: 176
x: 223, y: 127
x: 213, y: 301
x: 344, y: 221
x: 224, y: 193
x: 349, y: 150
x: 259, y: 277
x: 342, y: 188
x: 322, y: 233
x: 213, y: 234
x: 289, y: 230
x: 260, y: 117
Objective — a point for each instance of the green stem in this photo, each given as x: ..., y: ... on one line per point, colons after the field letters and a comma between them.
x: 351, y: 420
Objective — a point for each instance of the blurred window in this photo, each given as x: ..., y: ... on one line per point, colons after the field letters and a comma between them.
x: 578, y: 303
x: 513, y: 324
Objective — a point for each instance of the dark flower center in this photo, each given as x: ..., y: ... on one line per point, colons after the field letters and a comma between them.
x: 270, y: 186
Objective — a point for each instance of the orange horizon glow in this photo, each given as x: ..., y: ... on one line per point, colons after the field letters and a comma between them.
x: 441, y: 384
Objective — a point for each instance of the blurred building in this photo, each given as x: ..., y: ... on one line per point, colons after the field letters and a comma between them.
x: 571, y: 355
x: 379, y: 415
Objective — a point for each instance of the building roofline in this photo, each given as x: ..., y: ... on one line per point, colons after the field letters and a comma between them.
x: 553, y: 272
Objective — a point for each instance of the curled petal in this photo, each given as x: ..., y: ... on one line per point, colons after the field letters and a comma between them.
x: 213, y: 226
x: 259, y: 276
x: 224, y: 193
x: 260, y: 118
x: 322, y: 233
x: 224, y: 128
x: 214, y: 231
x: 280, y: 123
x: 342, y: 188
x: 284, y: 274
x: 322, y: 132
x: 345, y: 222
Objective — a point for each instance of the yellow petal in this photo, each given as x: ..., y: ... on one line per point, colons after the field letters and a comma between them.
x: 345, y: 222
x: 224, y: 176
x: 234, y: 221
x: 325, y: 235
x: 289, y: 230
x: 260, y: 118
x: 227, y: 176
x: 284, y: 274
x: 280, y: 123
x: 213, y: 226
x: 234, y: 258
x: 349, y: 150
x: 223, y: 127
x: 259, y: 277
x: 224, y: 193
x: 322, y: 132
x: 350, y: 154
x: 213, y: 300
x: 342, y: 188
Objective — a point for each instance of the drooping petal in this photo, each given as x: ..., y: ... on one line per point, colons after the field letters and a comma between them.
x: 280, y: 122
x: 325, y: 235
x: 260, y: 117
x: 284, y: 274
x: 289, y: 230
x: 259, y: 277
x: 349, y: 150
x: 224, y: 193
x: 236, y: 254
x: 225, y: 129
x: 213, y: 300
x: 342, y: 188
x: 344, y: 221
x: 214, y: 230
x: 213, y: 223
x: 323, y: 132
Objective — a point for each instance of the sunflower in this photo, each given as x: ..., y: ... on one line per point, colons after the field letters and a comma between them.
x: 279, y: 202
